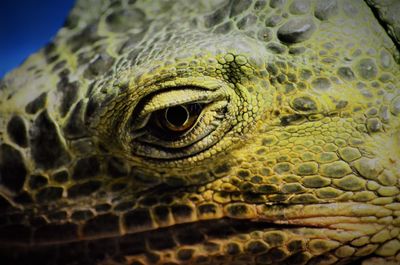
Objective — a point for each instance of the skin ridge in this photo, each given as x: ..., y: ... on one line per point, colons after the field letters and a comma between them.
x: 215, y: 132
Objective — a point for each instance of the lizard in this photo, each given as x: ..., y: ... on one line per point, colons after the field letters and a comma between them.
x: 206, y: 132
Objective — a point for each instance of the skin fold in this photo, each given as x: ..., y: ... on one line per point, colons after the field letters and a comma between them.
x: 206, y: 132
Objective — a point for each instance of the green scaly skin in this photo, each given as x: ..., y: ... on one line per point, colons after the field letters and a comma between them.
x: 290, y: 154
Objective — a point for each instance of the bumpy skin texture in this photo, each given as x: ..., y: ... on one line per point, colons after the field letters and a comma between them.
x: 293, y: 157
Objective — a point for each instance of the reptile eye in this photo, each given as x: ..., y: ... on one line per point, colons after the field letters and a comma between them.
x: 177, y: 119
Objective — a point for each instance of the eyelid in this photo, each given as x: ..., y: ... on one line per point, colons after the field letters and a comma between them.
x: 178, y: 97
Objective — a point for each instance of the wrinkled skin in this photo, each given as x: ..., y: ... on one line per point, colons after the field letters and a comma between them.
x: 220, y: 132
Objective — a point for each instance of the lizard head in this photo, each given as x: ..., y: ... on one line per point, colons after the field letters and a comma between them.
x: 237, y: 132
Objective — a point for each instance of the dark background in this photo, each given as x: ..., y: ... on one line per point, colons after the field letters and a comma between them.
x: 26, y: 26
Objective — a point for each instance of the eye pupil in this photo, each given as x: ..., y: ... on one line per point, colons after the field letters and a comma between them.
x: 176, y: 120
x: 177, y: 116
